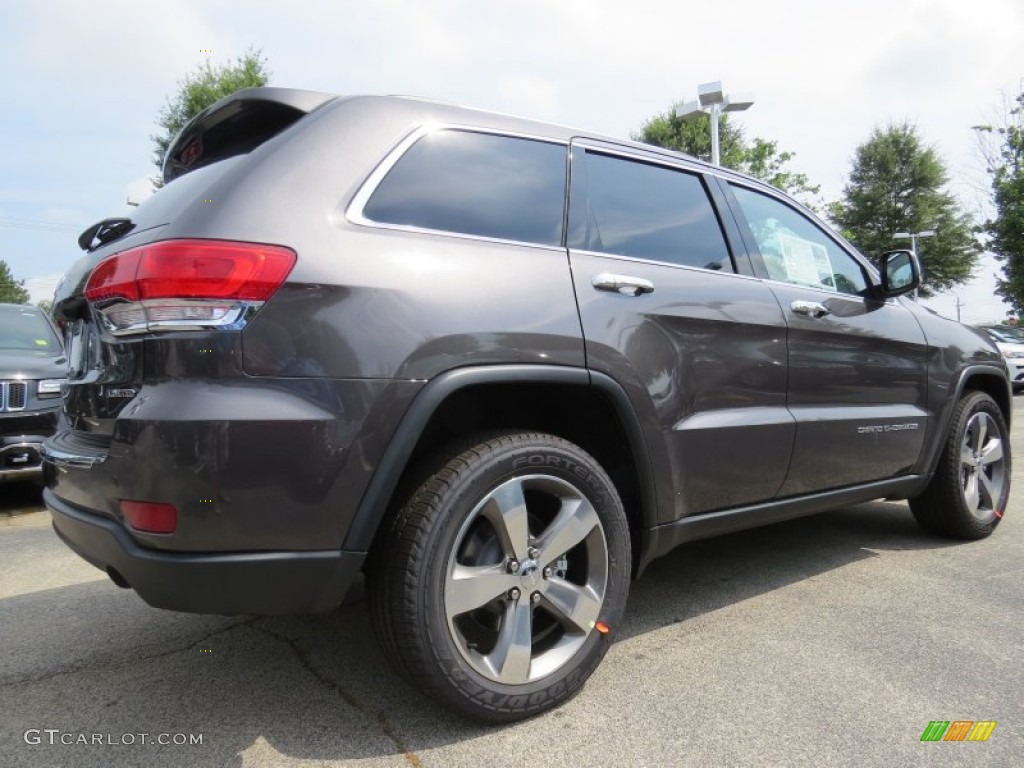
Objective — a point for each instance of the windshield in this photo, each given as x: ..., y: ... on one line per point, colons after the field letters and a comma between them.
x: 26, y: 329
x: 1007, y: 334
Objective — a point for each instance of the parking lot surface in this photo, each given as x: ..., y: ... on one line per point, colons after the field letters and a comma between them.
x: 830, y: 640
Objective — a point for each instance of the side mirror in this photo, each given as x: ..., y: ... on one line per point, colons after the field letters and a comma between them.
x: 901, y: 273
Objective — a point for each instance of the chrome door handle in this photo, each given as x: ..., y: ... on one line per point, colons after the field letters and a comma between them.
x: 624, y: 284
x: 810, y: 308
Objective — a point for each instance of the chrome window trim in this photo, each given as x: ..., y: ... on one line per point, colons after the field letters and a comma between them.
x: 656, y: 263
x: 831, y: 294
x: 767, y: 281
x: 639, y: 155
x: 354, y: 213
x: 658, y: 159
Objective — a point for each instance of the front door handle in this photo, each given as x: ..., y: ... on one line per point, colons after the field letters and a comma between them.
x: 810, y: 308
x: 624, y: 284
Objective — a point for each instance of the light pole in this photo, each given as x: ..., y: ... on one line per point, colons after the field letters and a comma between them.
x: 912, y: 236
x: 712, y: 101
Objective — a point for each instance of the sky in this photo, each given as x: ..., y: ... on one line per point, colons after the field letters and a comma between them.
x: 82, y: 84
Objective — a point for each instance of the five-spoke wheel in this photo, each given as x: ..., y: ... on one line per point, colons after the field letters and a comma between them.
x: 503, y: 574
x: 526, y: 579
x: 966, y: 498
x: 983, y: 466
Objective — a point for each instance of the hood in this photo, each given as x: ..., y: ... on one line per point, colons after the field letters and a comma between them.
x: 1010, y: 349
x: 22, y: 364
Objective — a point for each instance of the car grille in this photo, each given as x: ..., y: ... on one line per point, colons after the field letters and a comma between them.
x: 13, y: 395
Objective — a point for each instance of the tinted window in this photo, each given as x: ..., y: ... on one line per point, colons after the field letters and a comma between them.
x: 795, y: 250
x: 647, y: 211
x: 476, y: 184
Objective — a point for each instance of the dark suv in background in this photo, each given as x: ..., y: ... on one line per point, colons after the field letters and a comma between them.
x: 32, y: 369
x: 496, y: 365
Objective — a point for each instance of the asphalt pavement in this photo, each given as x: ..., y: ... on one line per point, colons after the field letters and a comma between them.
x: 831, y: 640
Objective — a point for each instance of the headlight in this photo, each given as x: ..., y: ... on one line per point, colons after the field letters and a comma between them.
x: 1014, y: 354
x: 50, y: 387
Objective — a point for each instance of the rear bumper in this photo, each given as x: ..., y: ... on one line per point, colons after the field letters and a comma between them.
x: 268, y: 583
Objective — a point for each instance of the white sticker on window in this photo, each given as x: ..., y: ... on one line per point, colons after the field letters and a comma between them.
x: 799, y: 259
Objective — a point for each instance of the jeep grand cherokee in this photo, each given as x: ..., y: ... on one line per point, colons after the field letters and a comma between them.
x: 496, y: 365
x: 32, y: 366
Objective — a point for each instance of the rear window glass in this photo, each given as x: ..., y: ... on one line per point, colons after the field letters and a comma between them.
x: 476, y: 184
x: 233, y: 130
x: 26, y: 329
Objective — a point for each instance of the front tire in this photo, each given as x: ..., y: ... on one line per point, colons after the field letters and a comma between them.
x: 496, y: 584
x: 967, y: 496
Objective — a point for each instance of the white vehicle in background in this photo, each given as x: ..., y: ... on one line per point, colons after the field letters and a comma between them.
x: 1010, y: 341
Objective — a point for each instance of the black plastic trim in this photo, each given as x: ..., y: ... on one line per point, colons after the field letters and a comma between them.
x: 637, y: 443
x: 375, y: 501
x: 727, y: 216
x: 932, y: 461
x: 661, y: 540
x: 268, y: 583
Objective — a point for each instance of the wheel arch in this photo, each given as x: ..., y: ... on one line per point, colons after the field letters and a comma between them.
x: 544, y: 398
x: 989, y: 379
x: 992, y: 381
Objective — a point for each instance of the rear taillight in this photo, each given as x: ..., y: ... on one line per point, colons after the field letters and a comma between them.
x: 150, y: 516
x: 186, y: 284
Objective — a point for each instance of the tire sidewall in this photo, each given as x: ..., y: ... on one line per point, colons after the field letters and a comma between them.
x: 542, y: 455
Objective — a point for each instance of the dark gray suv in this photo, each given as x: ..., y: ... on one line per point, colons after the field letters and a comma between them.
x: 497, y: 366
x: 32, y: 366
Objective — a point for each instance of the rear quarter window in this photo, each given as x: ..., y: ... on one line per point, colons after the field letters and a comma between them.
x: 480, y: 184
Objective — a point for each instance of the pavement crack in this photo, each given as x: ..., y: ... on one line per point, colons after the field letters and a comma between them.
x: 381, y: 718
x: 125, y: 662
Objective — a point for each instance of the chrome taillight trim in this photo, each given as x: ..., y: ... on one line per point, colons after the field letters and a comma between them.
x: 236, y: 316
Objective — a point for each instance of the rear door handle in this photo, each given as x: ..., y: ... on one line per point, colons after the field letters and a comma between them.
x: 810, y: 308
x: 624, y: 284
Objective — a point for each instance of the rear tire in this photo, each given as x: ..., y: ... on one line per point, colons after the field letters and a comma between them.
x: 494, y: 585
x: 967, y: 496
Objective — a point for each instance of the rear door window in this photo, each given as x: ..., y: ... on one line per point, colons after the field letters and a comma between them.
x: 480, y: 184
x: 630, y: 208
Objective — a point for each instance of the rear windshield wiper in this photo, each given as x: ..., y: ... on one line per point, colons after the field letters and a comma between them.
x: 104, y: 231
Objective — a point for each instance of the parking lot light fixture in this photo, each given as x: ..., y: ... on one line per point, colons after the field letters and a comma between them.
x: 912, y: 237
x: 712, y: 100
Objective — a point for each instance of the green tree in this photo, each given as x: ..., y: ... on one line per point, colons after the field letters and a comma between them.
x: 201, y: 88
x: 1005, y: 165
x: 11, y: 291
x: 898, y: 184
x: 694, y: 137
x: 760, y: 158
x: 46, y: 305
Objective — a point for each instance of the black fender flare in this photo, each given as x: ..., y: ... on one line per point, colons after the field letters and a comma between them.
x: 931, y: 461
x: 373, y: 506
